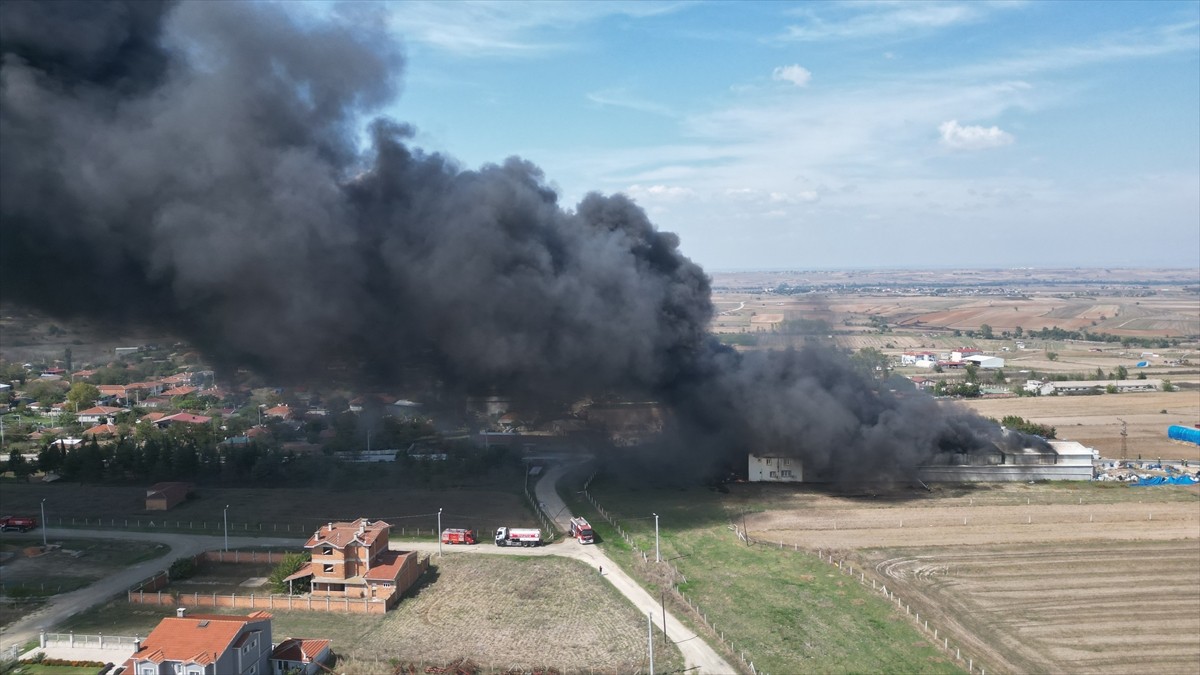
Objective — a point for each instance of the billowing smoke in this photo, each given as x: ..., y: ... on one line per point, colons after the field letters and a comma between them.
x: 198, y: 168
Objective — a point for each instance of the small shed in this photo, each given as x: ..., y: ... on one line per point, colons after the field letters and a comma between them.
x: 163, y: 496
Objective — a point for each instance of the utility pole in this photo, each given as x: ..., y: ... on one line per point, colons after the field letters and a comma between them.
x: 650, y: 637
x: 657, y: 556
x: 44, y: 544
x: 226, y: 512
x: 439, y: 532
x: 1124, y: 439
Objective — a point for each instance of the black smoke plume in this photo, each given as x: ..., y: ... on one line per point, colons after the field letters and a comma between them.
x: 198, y: 167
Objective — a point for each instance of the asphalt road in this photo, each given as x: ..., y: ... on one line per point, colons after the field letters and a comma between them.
x: 697, y: 654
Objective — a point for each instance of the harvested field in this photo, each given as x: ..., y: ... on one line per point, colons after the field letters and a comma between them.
x: 1079, y: 577
x: 1095, y: 420
x: 1112, y: 608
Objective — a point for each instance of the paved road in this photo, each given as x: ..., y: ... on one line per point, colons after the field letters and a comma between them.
x: 697, y: 654
x: 61, y: 607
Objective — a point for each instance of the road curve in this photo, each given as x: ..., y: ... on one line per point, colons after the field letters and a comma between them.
x: 697, y: 654
x: 61, y: 607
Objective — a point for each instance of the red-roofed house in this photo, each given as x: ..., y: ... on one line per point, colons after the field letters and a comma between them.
x: 282, y: 412
x: 180, y: 391
x: 97, y: 414
x: 99, y: 430
x: 162, y: 496
x: 205, y: 644
x: 297, y: 655
x: 352, y: 560
x: 182, y: 418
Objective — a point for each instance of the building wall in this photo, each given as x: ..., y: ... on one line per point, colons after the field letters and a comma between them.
x: 1003, y: 473
x: 775, y: 470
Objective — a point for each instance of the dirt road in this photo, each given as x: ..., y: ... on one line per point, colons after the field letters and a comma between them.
x: 60, y: 607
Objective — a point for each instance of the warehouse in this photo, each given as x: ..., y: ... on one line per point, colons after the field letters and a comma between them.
x: 1063, y: 460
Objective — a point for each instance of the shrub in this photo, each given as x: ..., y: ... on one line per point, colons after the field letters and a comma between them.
x: 183, y: 568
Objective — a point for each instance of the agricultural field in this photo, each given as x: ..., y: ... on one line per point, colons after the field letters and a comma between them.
x: 269, y: 511
x: 1028, y: 578
x: 1095, y: 421
x: 498, y: 611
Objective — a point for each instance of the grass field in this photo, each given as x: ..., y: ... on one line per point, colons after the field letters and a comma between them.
x: 499, y: 611
x: 1048, y: 577
x: 75, y: 564
x: 788, y: 613
x: 270, y: 511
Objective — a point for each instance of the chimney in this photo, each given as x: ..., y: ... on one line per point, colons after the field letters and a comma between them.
x: 181, y: 612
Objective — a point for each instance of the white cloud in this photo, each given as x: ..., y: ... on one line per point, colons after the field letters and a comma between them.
x: 623, y: 99
x: 795, y: 73
x: 957, y: 137
x: 659, y: 192
x: 865, y: 20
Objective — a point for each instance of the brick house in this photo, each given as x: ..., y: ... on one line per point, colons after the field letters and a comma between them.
x: 352, y: 560
x: 205, y: 644
x: 163, y: 496
x: 298, y: 655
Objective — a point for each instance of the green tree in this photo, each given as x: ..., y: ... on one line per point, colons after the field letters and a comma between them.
x: 1053, y: 356
x: 1018, y: 331
x: 17, y: 464
x: 1122, y: 373
x: 182, y: 568
x: 1110, y: 389
x: 871, y: 362
x: 291, y: 563
x: 82, y: 396
x: 1167, y: 386
x: 999, y: 377
x: 986, y: 331
x: 972, y: 373
x: 46, y: 392
x: 1026, y: 427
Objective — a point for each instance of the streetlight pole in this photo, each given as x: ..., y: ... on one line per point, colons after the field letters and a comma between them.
x: 226, y: 528
x: 44, y: 544
x: 439, y: 532
x: 650, y: 638
x: 657, y: 556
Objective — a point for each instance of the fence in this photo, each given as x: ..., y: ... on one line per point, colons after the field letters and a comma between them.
x: 147, y: 524
x: 150, y: 591
x: 80, y: 641
x: 677, y: 577
x: 253, y: 601
x: 940, y: 639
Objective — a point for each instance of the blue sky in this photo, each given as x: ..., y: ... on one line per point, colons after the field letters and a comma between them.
x: 814, y: 135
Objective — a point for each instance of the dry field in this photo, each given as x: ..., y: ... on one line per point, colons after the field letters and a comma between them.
x: 1084, y: 577
x: 1095, y: 420
x: 1111, y: 608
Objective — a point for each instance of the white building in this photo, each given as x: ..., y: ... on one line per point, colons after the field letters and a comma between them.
x: 1097, y: 386
x: 962, y: 353
x: 1068, y: 461
x: 919, y: 359
x: 775, y: 469
x: 989, y: 362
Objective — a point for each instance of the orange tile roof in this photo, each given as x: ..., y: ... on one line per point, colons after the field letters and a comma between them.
x: 340, y: 535
x: 101, y: 410
x: 180, y: 391
x: 198, y: 638
x: 300, y: 649
x: 186, y: 417
x: 102, y: 430
x: 387, y: 565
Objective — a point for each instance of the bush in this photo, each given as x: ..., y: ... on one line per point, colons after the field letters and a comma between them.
x: 290, y: 564
x: 183, y: 568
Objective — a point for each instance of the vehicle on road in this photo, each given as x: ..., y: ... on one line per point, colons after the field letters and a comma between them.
x: 518, y: 536
x: 18, y: 523
x: 458, y: 536
x: 582, y: 530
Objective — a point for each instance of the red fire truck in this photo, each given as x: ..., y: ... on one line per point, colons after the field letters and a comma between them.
x: 458, y: 536
x: 19, y: 523
x: 581, y: 530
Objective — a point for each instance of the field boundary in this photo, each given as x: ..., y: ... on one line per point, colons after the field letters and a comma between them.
x: 847, y: 569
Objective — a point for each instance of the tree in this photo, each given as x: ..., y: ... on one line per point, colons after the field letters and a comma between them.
x: 1024, y: 426
x: 17, y: 464
x: 82, y: 395
x: 999, y: 378
x: 986, y: 331
x: 182, y: 568
x: 291, y: 563
x: 871, y: 362
x: 1018, y: 331
x: 972, y: 373
x: 1167, y: 386
x: 1110, y: 389
x: 1122, y: 373
x: 1053, y: 356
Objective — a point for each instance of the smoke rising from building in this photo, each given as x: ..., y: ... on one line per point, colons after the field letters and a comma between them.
x: 196, y: 167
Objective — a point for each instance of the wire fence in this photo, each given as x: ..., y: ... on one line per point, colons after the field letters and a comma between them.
x: 940, y: 639
x: 675, y: 578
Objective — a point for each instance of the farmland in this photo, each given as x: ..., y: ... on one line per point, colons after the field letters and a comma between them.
x: 1027, y: 577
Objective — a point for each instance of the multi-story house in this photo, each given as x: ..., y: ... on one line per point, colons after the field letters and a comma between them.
x: 352, y: 560
x: 205, y: 644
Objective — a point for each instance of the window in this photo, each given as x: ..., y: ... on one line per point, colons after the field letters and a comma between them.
x: 329, y: 569
x: 328, y: 550
x: 787, y: 462
x: 768, y: 461
x: 786, y: 473
x: 773, y: 474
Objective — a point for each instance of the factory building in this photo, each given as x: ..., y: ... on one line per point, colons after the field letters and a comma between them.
x: 1062, y: 460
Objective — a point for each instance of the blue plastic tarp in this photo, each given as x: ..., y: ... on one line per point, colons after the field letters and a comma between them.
x: 1160, y: 480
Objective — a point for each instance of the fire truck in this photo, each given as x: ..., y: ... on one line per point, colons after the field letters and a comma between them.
x: 458, y: 536
x: 517, y: 536
x: 581, y: 530
x: 18, y: 523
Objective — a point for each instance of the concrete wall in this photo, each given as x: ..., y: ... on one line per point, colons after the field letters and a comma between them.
x: 1003, y: 473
